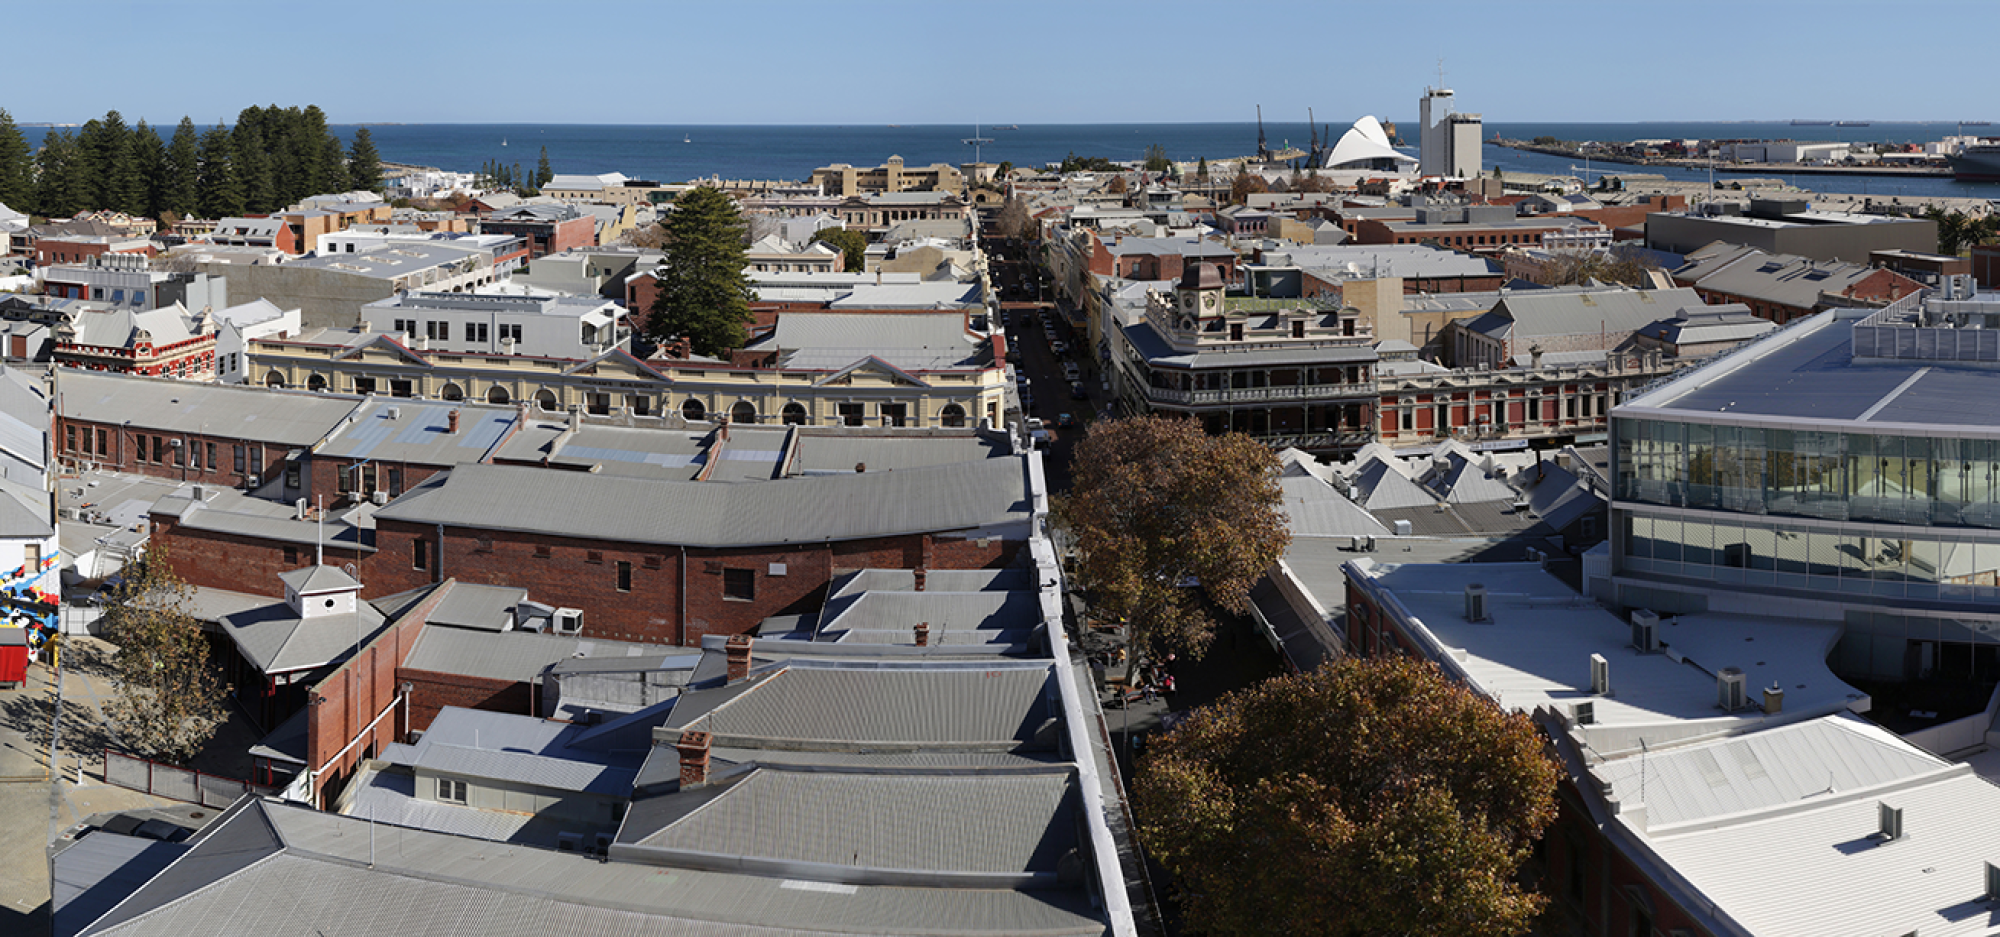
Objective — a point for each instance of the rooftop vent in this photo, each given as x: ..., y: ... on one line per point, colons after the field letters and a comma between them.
x: 1475, y: 602
x: 1890, y: 824
x: 1729, y: 692
x: 1645, y: 630
x: 1600, y: 675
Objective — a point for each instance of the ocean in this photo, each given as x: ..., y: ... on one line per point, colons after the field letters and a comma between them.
x: 674, y: 153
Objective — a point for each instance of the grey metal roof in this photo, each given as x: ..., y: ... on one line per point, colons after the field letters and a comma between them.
x: 392, y: 261
x: 471, y: 605
x: 390, y: 797
x: 888, y: 617
x: 118, y: 327
x: 525, y: 750
x: 1016, y: 821
x: 1806, y: 372
x: 941, y: 580
x: 1314, y: 509
x: 417, y: 432
x: 426, y: 882
x: 510, y: 655
x: 1782, y: 279
x: 96, y: 872
x: 313, y: 580
x: 638, y: 451
x: 1159, y: 353
x: 1536, y: 313
x: 1382, y: 485
x: 289, y: 418
x: 276, y: 640
x: 870, y: 333
x: 839, y: 454
x: 946, y: 295
x: 889, y: 705
x: 791, y: 510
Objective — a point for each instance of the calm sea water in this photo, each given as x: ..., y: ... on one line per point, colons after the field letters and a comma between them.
x: 672, y: 153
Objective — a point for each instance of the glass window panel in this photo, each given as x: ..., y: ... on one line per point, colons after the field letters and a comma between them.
x: 1639, y: 536
x: 1790, y: 551
x: 1762, y: 542
x: 1701, y: 466
x: 1925, y: 561
x: 1698, y: 544
x: 1667, y: 539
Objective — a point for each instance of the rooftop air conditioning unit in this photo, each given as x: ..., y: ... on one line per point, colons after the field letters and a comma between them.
x: 1403, y: 528
x: 1600, y: 675
x: 569, y: 842
x: 1645, y: 630
x: 379, y: 497
x: 1475, y: 602
x: 392, y: 413
x: 1368, y: 544
x: 1729, y: 692
x: 568, y: 620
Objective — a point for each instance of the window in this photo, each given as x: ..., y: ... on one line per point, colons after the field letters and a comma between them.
x: 159, y: 448
x: 406, y: 327
x: 543, y: 551
x: 103, y: 443
x: 510, y: 331
x: 395, y: 481
x: 451, y: 791
x: 291, y: 556
x: 1298, y: 328
x: 399, y: 388
x: 593, y: 557
x: 851, y: 414
x: 1235, y: 331
x: 69, y: 438
x: 624, y: 576
x: 420, y: 554
x: 437, y: 330
x: 739, y: 584
x: 483, y: 543
x: 475, y: 332
x: 364, y: 385
x: 292, y: 476
x: 31, y: 557
x: 895, y: 414
x: 211, y: 457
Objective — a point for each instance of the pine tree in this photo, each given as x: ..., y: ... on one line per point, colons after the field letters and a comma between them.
x: 17, y: 165
x: 333, y: 165
x: 364, y: 165
x: 219, y: 189
x: 149, y: 162
x: 543, y: 172
x: 704, y: 295
x: 59, y: 189
x: 119, y: 182
x: 180, y: 190
x: 253, y: 167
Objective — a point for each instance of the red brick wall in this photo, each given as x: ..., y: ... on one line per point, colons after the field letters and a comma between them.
x: 431, y: 692
x: 651, y: 612
x: 356, y: 692
x: 323, y: 477
x: 121, y: 453
x: 215, y: 560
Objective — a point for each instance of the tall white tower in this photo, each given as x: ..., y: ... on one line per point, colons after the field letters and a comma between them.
x: 1450, y: 141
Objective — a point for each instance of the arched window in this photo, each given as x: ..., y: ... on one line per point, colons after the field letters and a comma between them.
x: 952, y: 415
x: 452, y: 392
x: 794, y: 415
x: 498, y: 394
x: 694, y: 410
x: 743, y: 412
x: 274, y: 379
x: 316, y: 383
x: 546, y: 399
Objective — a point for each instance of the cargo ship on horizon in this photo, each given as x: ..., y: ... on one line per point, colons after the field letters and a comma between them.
x: 1979, y: 162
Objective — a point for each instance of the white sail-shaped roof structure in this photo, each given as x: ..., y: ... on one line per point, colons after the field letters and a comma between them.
x: 1362, y: 144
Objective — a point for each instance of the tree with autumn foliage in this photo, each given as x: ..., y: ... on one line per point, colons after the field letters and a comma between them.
x: 170, y: 694
x: 1370, y: 796
x: 1157, y: 504
x: 1246, y: 184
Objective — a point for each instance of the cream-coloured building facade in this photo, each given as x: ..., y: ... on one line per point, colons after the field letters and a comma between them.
x: 867, y: 392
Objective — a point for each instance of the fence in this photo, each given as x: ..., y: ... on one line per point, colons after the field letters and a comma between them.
x: 183, y: 784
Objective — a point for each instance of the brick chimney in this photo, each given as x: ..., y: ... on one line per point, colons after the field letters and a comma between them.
x: 922, y: 575
x: 451, y: 423
x: 923, y: 631
x: 693, y: 747
x: 738, y: 650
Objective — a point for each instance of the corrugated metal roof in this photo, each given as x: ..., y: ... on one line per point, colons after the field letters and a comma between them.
x: 1616, y: 313
x: 931, y: 704
x: 471, y: 605
x: 945, y: 611
x: 511, y: 655
x: 96, y: 872
x: 1012, y: 822
x: 1314, y: 509
x: 1771, y: 768
x: 791, y: 510
x: 840, y: 454
x: 418, y: 431
x: 276, y: 640
x: 426, y: 882
x: 290, y: 418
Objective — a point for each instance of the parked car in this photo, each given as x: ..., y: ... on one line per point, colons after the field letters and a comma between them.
x: 1065, y: 420
x: 1071, y: 372
x: 1059, y: 348
x: 1076, y: 391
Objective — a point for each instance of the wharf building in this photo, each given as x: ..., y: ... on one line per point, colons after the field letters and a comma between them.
x: 1845, y: 468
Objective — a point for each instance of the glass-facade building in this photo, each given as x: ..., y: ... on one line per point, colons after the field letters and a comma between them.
x: 1813, y: 468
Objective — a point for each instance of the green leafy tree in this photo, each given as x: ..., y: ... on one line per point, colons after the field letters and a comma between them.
x: 170, y: 695
x: 543, y: 171
x: 364, y: 164
x: 120, y: 185
x: 703, y: 293
x: 1201, y: 169
x: 1156, y: 159
x: 1157, y: 503
x: 180, y: 186
x: 219, y: 190
x: 1957, y: 230
x: 853, y: 244
x: 1366, y: 797
x: 333, y: 162
x: 17, y: 166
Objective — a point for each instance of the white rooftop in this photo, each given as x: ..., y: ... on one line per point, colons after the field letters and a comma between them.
x: 1533, y: 651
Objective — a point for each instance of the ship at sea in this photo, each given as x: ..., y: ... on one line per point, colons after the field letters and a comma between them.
x: 1850, y: 123
x: 1979, y: 162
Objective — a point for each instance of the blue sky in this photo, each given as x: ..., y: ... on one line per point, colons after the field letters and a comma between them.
x: 900, y: 61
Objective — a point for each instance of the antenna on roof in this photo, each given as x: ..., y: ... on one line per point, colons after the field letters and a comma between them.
x: 319, y: 534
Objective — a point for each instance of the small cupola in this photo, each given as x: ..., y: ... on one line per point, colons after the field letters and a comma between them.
x: 321, y: 591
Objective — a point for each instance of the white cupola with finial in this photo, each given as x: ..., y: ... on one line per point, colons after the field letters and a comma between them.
x: 321, y: 591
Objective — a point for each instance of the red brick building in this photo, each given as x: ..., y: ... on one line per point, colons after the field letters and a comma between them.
x: 76, y: 249
x: 546, y: 229
x: 151, y: 343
